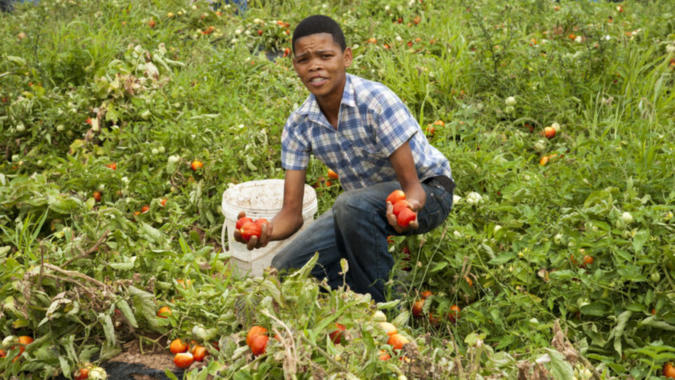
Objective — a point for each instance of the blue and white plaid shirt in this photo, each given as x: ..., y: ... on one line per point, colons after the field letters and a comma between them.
x: 373, y: 122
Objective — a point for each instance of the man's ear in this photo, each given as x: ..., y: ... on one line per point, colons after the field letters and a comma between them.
x: 347, y: 56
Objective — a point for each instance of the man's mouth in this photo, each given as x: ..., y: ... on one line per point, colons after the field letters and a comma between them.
x: 317, y: 81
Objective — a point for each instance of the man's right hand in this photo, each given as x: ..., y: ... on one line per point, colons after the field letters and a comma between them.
x: 254, y: 241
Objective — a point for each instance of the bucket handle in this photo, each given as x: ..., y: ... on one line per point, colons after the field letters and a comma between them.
x: 223, y: 233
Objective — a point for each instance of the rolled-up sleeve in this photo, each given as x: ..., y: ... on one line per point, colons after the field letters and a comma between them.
x: 395, y: 123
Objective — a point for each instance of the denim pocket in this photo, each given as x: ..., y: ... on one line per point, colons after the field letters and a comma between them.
x: 436, y: 209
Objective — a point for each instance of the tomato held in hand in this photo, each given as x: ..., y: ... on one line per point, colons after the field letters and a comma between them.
x: 395, y: 196
x: 241, y: 221
x: 400, y: 205
x: 405, y: 217
x: 250, y: 229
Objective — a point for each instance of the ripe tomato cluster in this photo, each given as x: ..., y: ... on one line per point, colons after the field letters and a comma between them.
x: 249, y: 227
x: 184, y: 355
x: 22, y: 341
x: 404, y: 214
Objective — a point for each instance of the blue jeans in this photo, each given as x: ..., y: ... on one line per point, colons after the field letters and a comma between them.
x: 356, y: 229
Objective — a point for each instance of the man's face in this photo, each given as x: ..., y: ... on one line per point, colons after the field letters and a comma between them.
x: 320, y: 64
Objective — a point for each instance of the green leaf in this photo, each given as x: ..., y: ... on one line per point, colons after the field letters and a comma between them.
x: 560, y: 369
x: 639, y: 240
x: 65, y: 366
x: 108, y: 328
x: 503, y: 259
x: 126, y: 311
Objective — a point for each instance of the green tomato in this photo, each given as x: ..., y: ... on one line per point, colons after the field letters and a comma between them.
x: 655, y: 277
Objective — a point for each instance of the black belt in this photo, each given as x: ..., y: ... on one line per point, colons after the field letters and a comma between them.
x: 441, y: 182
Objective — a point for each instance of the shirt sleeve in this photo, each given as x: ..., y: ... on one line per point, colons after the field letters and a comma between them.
x: 395, y: 123
x: 295, y: 148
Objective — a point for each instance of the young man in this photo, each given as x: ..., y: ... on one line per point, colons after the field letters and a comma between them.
x: 362, y: 131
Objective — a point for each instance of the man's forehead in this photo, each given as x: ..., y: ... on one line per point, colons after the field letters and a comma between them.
x: 317, y: 42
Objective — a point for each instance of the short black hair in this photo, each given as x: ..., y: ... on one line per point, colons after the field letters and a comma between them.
x: 319, y: 24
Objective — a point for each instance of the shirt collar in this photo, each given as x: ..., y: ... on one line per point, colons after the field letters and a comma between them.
x: 311, y: 105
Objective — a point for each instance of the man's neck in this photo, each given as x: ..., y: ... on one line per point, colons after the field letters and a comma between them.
x: 330, y: 105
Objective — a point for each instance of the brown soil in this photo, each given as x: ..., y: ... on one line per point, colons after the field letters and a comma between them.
x: 148, y: 365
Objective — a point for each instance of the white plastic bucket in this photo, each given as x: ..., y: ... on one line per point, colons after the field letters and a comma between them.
x: 259, y: 199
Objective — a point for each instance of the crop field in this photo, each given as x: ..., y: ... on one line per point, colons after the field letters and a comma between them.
x: 123, y: 122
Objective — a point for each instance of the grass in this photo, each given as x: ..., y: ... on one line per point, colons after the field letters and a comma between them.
x: 602, y: 71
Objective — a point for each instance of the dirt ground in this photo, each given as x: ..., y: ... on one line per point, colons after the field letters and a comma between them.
x: 149, y: 365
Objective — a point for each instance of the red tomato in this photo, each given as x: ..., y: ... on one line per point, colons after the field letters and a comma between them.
x: 418, y: 307
x: 164, y: 312
x: 549, y: 132
x: 395, y: 196
x: 261, y: 221
x: 82, y: 374
x: 400, y: 205
x: 242, y: 221
x: 97, y: 196
x: 405, y: 217
x: 253, y: 331
x: 177, y: 346
x: 397, y: 341
x: 669, y: 370
x: 183, y: 359
x: 25, y: 340
x: 250, y: 229
x: 332, y: 175
x: 196, y: 165
x: 454, y: 313
x: 258, y: 344
x: 199, y: 352
x: 336, y: 335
